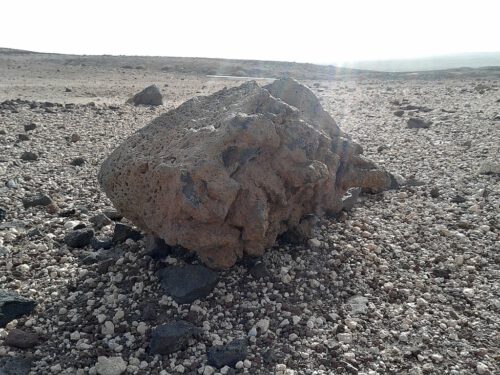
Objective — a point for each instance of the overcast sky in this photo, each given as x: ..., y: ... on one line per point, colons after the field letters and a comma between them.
x: 305, y: 31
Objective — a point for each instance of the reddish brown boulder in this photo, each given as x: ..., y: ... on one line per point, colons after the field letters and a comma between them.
x: 225, y: 174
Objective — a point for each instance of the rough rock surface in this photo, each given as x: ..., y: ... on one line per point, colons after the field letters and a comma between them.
x: 225, y: 174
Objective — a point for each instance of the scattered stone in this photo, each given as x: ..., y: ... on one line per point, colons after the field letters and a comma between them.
x: 358, y: 305
x: 227, y: 355
x: 314, y: 242
x: 435, y: 193
x: 458, y: 199
x: 189, y: 283
x: 263, y: 325
x: 3, y: 214
x: 77, y: 162
x: 151, y: 95
x: 75, y: 137
x: 37, y: 200
x: 21, y: 339
x: 113, y: 215
x: 67, y: 213
x: 418, y: 123
x: 29, y: 127
x: 13, y: 306
x: 110, y: 365
x: 490, y: 167
x: 123, y: 232
x: 79, y: 238
x: 67, y: 89
x: 259, y: 270
x: 482, y: 369
x: 264, y: 150
x: 23, y: 137
x: 157, y: 248
x: 382, y: 148
x: 11, y: 184
x: 100, y: 220
x: 97, y: 244
x: 399, y: 113
x: 413, y: 182
x: 350, y: 199
x: 15, y: 366
x: 171, y: 337
x: 29, y: 156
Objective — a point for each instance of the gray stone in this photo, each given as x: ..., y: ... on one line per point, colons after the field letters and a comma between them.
x: 350, y: 199
x: 171, y: 337
x: 490, y: 167
x: 29, y: 127
x: 21, y: 339
x: 188, y: 283
x: 23, y: 137
x: 123, y: 232
x: 13, y: 306
x: 77, y: 162
x: 15, y: 366
x: 151, y: 95
x: 227, y: 355
x: 79, y: 238
x: 110, y: 365
x: 358, y: 305
x: 418, y: 123
x: 37, y: 200
x: 100, y: 220
x: 29, y: 156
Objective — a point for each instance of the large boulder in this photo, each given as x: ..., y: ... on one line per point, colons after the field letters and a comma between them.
x: 225, y: 174
x: 151, y: 95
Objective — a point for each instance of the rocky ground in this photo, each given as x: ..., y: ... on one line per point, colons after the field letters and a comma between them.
x: 405, y: 283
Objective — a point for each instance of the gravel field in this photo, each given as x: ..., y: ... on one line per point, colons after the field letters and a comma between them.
x: 407, y: 282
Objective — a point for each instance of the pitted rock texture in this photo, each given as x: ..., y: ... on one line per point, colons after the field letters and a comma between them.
x: 225, y: 174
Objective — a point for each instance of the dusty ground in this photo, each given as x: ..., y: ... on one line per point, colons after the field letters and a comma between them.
x: 406, y: 283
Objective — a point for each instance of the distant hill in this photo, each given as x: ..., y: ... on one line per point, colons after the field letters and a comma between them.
x: 464, y: 60
x: 478, y: 65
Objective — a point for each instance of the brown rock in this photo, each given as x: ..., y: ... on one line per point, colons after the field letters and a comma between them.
x: 225, y: 174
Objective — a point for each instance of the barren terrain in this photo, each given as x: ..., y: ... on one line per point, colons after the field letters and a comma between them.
x: 405, y: 283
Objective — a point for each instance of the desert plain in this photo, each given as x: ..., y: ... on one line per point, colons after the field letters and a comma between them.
x: 405, y: 282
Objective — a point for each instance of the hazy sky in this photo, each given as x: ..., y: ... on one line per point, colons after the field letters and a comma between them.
x: 306, y: 31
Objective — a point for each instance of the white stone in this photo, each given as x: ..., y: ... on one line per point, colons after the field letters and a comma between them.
x: 110, y: 365
x: 180, y: 369
x: 263, y: 325
x: 481, y: 368
x: 346, y: 338
x: 314, y: 242
x: 142, y: 328
x: 468, y: 292
x: 108, y: 328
